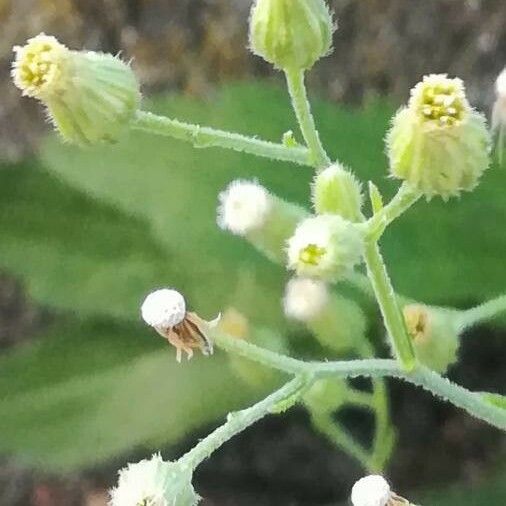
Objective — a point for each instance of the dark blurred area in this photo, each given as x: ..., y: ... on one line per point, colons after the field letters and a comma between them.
x: 382, y: 47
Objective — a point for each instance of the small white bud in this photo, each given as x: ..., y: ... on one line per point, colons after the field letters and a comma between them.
x: 371, y: 490
x: 154, y: 482
x: 244, y: 206
x: 163, y: 308
x: 305, y: 298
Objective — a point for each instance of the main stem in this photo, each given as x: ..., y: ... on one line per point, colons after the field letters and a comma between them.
x: 390, y: 310
x: 204, y: 137
x: 237, y: 422
x: 300, y: 102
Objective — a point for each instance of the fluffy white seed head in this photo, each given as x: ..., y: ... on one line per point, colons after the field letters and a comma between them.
x: 243, y: 207
x: 305, y: 298
x: 163, y: 308
x: 371, y: 490
x: 154, y: 482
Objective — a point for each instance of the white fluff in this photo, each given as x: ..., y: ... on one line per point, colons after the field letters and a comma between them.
x: 500, y: 84
x: 243, y: 207
x: 305, y: 298
x: 371, y: 490
x: 163, y: 308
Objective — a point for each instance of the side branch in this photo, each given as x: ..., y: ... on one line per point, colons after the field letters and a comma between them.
x: 205, y: 137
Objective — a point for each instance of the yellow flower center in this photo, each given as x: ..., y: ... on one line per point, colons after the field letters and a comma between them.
x: 417, y: 322
x: 312, y: 254
x: 441, y: 101
x: 38, y: 65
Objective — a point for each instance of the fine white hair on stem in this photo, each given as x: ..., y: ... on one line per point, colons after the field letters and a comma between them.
x: 163, y: 308
x: 305, y: 298
x: 371, y: 490
x: 243, y: 207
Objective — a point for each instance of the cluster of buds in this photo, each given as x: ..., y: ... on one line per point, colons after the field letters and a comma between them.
x: 90, y: 97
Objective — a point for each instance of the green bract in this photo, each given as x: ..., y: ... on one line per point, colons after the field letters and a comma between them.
x: 291, y: 33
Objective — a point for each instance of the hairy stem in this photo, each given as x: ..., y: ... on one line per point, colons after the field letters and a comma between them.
x: 441, y: 387
x: 205, y: 137
x: 390, y: 310
x: 338, y: 435
x: 403, y: 200
x: 237, y: 422
x: 485, y: 311
x: 300, y: 102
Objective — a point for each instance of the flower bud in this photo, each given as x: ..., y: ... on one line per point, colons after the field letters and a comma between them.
x: 154, y: 482
x: 438, y: 143
x: 338, y: 323
x: 325, y: 246
x: 266, y: 221
x: 90, y: 97
x: 291, y: 33
x: 337, y: 191
x: 435, y: 334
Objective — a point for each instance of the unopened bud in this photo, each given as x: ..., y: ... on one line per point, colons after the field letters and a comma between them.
x: 435, y: 334
x: 337, y: 191
x: 291, y: 33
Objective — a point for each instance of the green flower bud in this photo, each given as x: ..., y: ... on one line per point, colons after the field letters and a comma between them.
x: 325, y: 246
x: 337, y: 191
x: 266, y: 221
x: 90, y: 97
x: 438, y: 143
x: 291, y: 33
x: 435, y: 334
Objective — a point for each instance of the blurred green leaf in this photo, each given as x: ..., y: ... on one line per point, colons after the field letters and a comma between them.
x: 87, y: 392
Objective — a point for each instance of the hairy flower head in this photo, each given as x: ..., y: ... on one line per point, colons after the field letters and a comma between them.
x: 371, y: 490
x: 154, y: 482
x: 244, y: 206
x: 325, y: 246
x: 91, y: 97
x: 438, y: 143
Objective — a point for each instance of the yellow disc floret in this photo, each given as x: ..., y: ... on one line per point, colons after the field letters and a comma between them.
x: 311, y: 254
x: 439, y: 100
x: 37, y: 69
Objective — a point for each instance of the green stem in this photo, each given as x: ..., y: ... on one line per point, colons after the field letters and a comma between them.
x: 390, y: 310
x: 237, y: 422
x: 338, y: 435
x: 374, y: 368
x: 205, y: 137
x: 485, y: 311
x: 403, y: 200
x: 300, y: 102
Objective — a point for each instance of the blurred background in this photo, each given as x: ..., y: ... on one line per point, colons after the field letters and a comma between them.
x: 84, y: 235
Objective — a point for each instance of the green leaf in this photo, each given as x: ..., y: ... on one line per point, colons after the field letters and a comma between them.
x: 89, y: 391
